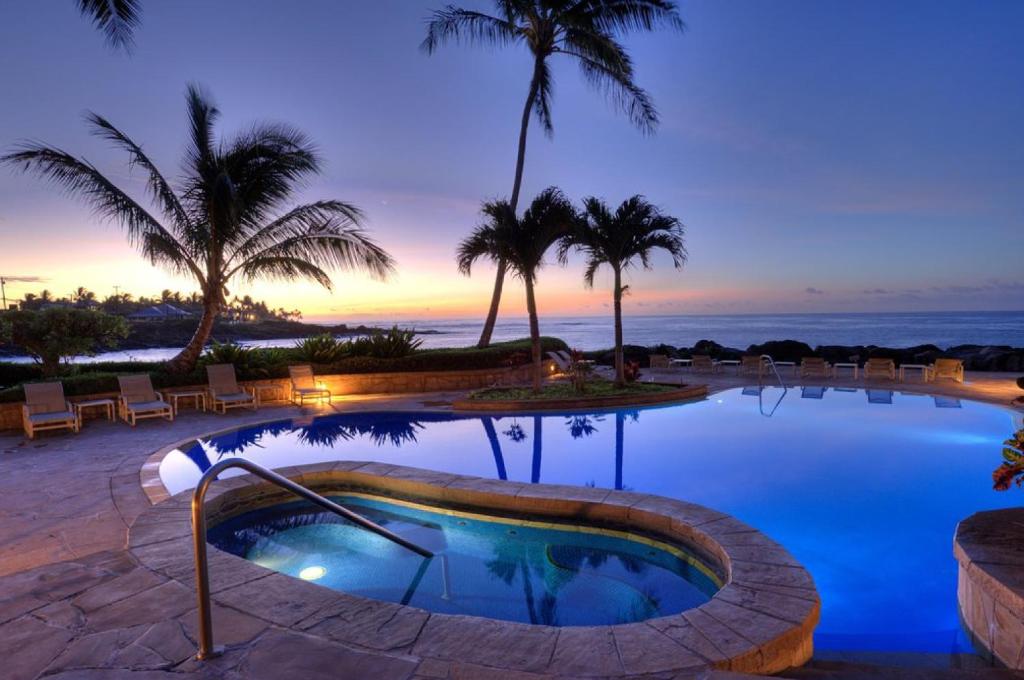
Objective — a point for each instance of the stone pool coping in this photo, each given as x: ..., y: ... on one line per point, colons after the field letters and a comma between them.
x: 989, y: 547
x: 683, y: 393
x: 762, y: 620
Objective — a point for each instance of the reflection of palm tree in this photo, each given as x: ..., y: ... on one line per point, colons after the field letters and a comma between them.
x: 582, y: 426
x: 511, y: 557
x: 236, y: 443
x: 396, y: 431
x: 620, y: 423
x: 535, y: 474
x: 492, y: 437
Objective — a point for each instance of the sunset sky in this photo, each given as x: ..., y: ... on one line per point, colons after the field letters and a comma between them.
x: 825, y: 156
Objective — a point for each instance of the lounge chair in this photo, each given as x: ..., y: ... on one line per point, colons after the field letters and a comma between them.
x: 224, y: 390
x: 304, y: 386
x: 815, y: 367
x: 752, y: 391
x: 138, y: 400
x: 561, y: 362
x: 946, y: 368
x: 879, y: 367
x: 659, y: 361
x: 703, y: 363
x: 45, y: 408
x: 947, y: 402
x: 751, y: 365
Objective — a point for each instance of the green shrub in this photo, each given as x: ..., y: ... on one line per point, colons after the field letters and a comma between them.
x: 320, y: 349
x: 1020, y: 383
x: 15, y: 374
x: 251, y: 363
x: 52, y: 336
x: 394, y: 344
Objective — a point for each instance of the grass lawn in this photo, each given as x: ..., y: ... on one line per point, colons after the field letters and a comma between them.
x: 565, y: 390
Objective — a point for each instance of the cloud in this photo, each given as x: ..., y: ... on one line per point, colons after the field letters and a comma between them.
x: 810, y: 290
x: 877, y: 291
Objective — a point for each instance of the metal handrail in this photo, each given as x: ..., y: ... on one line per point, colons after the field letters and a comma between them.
x: 766, y: 358
x: 206, y: 648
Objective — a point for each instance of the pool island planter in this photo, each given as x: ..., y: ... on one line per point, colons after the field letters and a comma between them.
x: 583, y: 402
x: 761, y: 621
x: 989, y: 548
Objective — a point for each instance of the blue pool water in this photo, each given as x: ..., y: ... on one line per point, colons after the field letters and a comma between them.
x: 481, y: 567
x: 864, y: 488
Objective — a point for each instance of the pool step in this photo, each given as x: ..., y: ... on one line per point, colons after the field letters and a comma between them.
x: 846, y: 670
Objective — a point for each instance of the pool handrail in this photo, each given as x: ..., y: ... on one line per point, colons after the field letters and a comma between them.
x: 206, y: 648
x: 768, y: 361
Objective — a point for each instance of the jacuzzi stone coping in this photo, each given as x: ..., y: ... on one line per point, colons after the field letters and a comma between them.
x: 989, y: 547
x: 761, y: 621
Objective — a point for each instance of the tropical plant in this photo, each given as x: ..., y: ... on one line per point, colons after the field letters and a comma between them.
x: 229, y: 219
x: 585, y: 31
x: 320, y: 349
x: 1011, y: 471
x: 249, y: 362
x: 522, y: 244
x: 395, y: 343
x: 52, y: 336
x: 118, y: 19
x: 619, y: 239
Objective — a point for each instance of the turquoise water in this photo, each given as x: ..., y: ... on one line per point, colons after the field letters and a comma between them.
x: 864, y: 489
x: 500, y: 570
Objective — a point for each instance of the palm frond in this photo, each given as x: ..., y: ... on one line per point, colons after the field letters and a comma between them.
x: 626, y: 15
x: 453, y: 24
x: 159, y: 188
x: 118, y: 19
x: 308, y: 218
x: 620, y: 89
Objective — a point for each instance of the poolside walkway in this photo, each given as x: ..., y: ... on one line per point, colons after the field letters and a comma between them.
x: 75, y: 604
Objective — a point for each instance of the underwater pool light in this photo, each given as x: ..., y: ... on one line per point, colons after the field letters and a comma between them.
x: 312, y: 573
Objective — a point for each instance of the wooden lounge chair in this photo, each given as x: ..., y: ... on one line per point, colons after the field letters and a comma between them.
x: 561, y: 362
x: 304, y: 386
x: 751, y: 364
x: 947, y: 368
x: 224, y: 390
x: 659, y: 361
x: 139, y: 400
x: 45, y: 408
x: 815, y: 367
x: 703, y: 363
x: 879, y: 367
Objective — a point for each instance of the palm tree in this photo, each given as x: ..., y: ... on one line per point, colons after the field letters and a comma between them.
x: 229, y: 218
x: 619, y: 239
x: 521, y: 243
x: 118, y: 19
x: 584, y: 30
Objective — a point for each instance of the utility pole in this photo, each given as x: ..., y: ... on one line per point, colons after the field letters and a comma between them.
x: 3, y: 291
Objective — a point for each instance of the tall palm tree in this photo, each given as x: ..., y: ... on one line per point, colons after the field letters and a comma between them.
x: 583, y: 30
x: 521, y: 243
x: 618, y: 239
x: 229, y: 218
x: 118, y: 19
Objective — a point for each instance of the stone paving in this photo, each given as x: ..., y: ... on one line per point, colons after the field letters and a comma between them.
x: 75, y: 604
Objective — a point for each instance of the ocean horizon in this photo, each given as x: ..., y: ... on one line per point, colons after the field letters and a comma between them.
x: 944, y: 329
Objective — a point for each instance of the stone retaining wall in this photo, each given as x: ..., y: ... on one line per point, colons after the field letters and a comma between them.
x: 340, y: 384
x: 990, y: 549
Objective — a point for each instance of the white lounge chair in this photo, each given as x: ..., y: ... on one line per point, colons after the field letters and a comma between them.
x: 304, y: 386
x: 751, y: 364
x: 702, y: 363
x: 561, y: 362
x: 224, y: 390
x: 45, y: 408
x: 139, y: 400
x: 659, y: 361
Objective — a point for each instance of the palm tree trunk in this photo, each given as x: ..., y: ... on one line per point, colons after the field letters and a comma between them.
x: 187, y: 358
x: 492, y: 437
x: 620, y: 368
x: 499, y: 281
x: 531, y: 309
x: 620, y: 422
x: 538, y: 446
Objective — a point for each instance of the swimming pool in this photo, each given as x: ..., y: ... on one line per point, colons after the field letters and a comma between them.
x: 498, y: 568
x: 864, y: 488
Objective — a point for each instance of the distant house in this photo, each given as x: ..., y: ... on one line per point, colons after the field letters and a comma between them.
x: 161, y: 312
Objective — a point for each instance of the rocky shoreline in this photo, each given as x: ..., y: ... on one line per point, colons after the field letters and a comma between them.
x: 975, y: 357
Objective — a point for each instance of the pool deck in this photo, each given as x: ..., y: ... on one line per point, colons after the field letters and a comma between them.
x: 75, y: 604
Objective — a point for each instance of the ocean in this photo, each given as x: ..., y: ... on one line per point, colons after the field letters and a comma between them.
x: 944, y: 329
